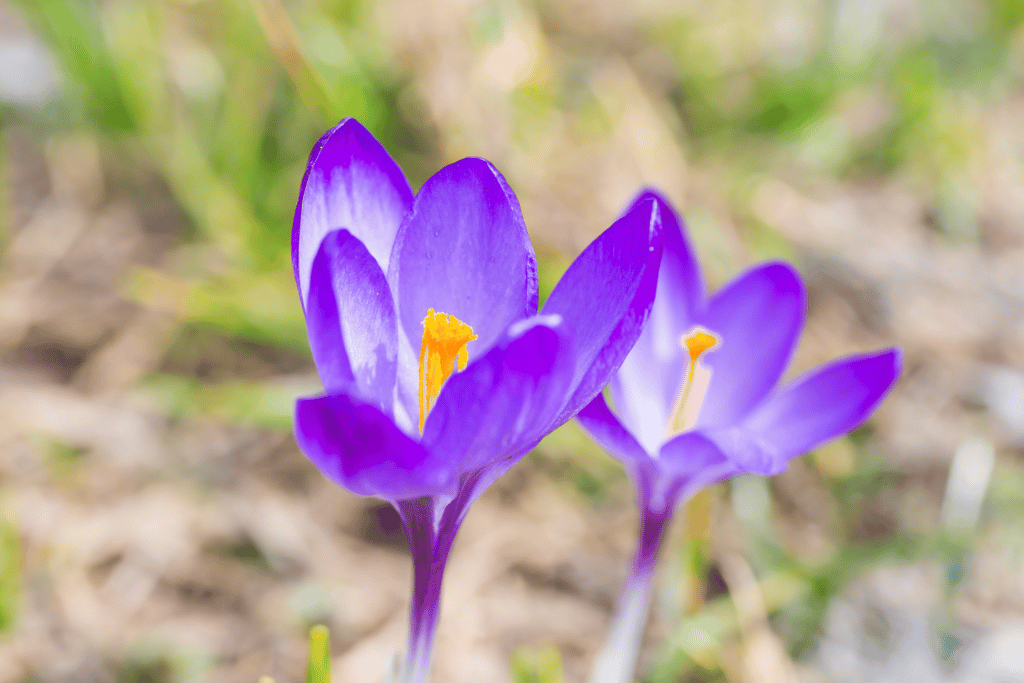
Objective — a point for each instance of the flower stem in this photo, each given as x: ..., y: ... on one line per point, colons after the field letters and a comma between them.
x: 429, y: 551
x: 617, y: 661
x: 428, y: 574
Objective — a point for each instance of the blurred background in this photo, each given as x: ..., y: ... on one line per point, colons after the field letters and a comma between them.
x: 157, y: 522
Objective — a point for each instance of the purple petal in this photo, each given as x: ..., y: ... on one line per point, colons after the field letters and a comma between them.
x: 647, y: 384
x: 745, y: 449
x: 688, y: 463
x: 605, y: 298
x: 351, y: 182
x: 680, y: 272
x: 464, y: 251
x: 602, y: 426
x: 757, y: 319
x: 351, y: 321
x: 504, y: 402
x: 356, y: 446
x: 824, y: 404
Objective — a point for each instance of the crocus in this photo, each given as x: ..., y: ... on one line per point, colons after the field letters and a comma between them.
x: 422, y: 319
x: 696, y: 402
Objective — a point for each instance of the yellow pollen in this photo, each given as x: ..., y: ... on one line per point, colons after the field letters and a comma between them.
x: 684, y: 415
x: 699, y: 342
x: 442, y: 351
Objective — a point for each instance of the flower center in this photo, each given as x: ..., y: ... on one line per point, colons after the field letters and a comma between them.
x: 695, y: 381
x: 443, y: 347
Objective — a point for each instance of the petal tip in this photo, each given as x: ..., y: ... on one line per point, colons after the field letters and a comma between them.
x: 884, y: 367
x: 471, y: 166
x: 350, y: 180
x: 787, y: 281
x: 782, y: 273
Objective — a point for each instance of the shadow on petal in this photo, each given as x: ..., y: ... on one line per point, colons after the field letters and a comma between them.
x: 356, y: 446
x: 757, y: 319
x: 350, y: 318
x: 464, y: 251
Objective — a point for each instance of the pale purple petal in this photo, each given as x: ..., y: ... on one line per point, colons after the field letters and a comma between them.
x: 824, y: 403
x: 745, y: 449
x: 357, y: 446
x: 688, y: 463
x: 647, y: 384
x: 605, y: 297
x: 757, y: 318
x: 350, y: 319
x: 679, y: 274
x: 606, y: 429
x: 351, y: 182
x: 503, y: 403
x: 464, y: 251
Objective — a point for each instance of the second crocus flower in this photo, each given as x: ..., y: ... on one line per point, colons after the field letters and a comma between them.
x: 696, y: 402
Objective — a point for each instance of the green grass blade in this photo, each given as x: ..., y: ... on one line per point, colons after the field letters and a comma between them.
x: 319, y: 670
x: 10, y: 574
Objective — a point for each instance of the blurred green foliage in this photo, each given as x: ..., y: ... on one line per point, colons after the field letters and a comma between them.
x: 225, y: 99
x: 143, y: 670
x: 225, y: 104
x: 748, y: 108
x: 10, y: 574
x: 537, y: 666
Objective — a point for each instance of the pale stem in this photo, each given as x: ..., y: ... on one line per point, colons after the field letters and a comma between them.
x: 617, y: 661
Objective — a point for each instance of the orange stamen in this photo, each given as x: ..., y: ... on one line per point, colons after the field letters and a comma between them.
x: 442, y: 351
x: 687, y: 407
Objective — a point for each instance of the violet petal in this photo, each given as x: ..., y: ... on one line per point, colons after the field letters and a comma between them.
x: 464, y: 251
x: 358, y: 447
x: 825, y: 403
x: 606, y: 429
x: 757, y: 318
x: 501, y: 404
x: 351, y: 182
x: 688, y: 463
x: 646, y: 387
x: 605, y: 297
x: 350, y: 318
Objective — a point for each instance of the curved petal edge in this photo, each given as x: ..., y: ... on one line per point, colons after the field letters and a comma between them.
x: 604, y: 427
x: 503, y: 403
x: 464, y: 250
x: 350, y: 182
x: 358, y: 447
x: 350, y: 318
x: 824, y: 403
x: 605, y: 297
x: 757, y: 318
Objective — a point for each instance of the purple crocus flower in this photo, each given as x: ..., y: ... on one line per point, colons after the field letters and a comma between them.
x: 422, y: 318
x: 696, y: 403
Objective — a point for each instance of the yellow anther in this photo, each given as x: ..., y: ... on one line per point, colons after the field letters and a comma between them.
x: 687, y: 407
x: 699, y: 342
x: 442, y: 351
